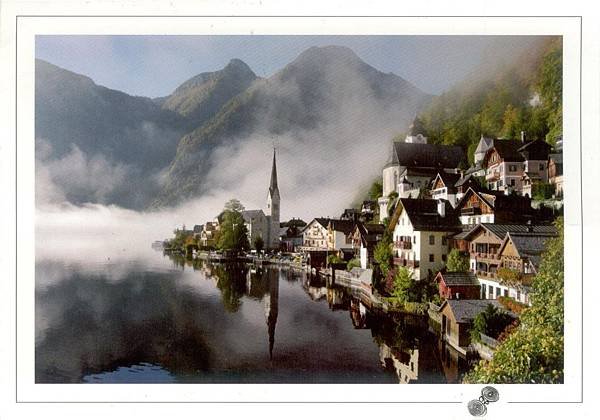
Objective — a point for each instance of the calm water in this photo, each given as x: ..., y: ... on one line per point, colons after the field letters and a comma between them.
x: 162, y: 320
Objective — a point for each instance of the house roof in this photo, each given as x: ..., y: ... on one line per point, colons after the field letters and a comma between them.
x: 500, y: 230
x: 459, y: 278
x: 465, y: 310
x: 448, y: 179
x: 527, y: 244
x: 344, y: 226
x: 424, y: 216
x: 485, y: 143
x: 248, y: 215
x: 426, y: 155
x: 369, y: 232
x: 508, y: 150
x: 535, y: 150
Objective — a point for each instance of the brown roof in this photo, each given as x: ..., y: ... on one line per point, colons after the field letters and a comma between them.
x: 345, y: 226
x: 459, y: 278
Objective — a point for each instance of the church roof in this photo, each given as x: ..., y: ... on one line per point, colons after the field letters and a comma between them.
x: 273, y: 185
x: 250, y: 215
x: 485, y: 143
x: 426, y: 155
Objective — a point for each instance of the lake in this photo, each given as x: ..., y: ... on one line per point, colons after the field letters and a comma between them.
x: 162, y: 319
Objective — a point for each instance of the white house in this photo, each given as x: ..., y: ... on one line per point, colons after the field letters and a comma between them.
x: 315, y: 235
x: 420, y: 238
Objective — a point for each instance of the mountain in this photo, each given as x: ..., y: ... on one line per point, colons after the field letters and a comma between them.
x: 522, y: 93
x: 326, y: 97
x: 81, y: 127
x: 202, y: 96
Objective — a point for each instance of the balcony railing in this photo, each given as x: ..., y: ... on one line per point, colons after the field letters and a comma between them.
x: 470, y: 211
x: 403, y: 262
x: 403, y: 244
x: 487, y: 275
x: 485, y: 255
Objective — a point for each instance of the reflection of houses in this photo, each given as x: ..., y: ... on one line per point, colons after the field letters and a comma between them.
x: 412, y: 165
x: 454, y: 364
x: 337, y: 299
x: 457, y: 318
x: 358, y: 314
x: 404, y: 362
x: 365, y: 238
x: 208, y: 235
x: 458, y: 285
x: 493, y: 207
x: 421, y: 230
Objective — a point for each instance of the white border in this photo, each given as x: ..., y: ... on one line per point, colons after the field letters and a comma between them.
x: 28, y: 27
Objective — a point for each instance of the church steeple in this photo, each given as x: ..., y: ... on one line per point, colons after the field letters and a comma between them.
x: 273, y: 185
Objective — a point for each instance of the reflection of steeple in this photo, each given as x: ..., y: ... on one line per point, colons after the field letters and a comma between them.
x: 272, y: 308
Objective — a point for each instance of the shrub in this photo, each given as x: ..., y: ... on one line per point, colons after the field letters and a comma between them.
x: 355, y: 262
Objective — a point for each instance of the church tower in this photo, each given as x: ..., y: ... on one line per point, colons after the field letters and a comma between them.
x: 273, y: 201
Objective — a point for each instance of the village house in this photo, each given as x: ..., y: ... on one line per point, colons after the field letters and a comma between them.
x: 458, y: 285
x: 493, y: 207
x: 457, y: 317
x: 509, y: 162
x: 339, y: 234
x: 413, y: 164
x: 420, y: 236
x: 555, y: 172
x: 209, y: 234
x: 315, y: 235
x: 365, y: 238
x: 485, y: 246
x: 444, y: 187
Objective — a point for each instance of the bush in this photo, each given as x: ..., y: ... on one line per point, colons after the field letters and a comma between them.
x: 457, y: 261
x: 334, y: 259
x: 355, y: 262
x: 511, y: 304
x: 490, y: 322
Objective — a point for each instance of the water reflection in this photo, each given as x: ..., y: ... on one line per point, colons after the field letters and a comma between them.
x: 179, y: 320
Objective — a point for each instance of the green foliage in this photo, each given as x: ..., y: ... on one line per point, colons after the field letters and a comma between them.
x: 534, y: 353
x: 490, y: 322
x: 259, y: 244
x: 233, y: 233
x: 383, y: 255
x: 355, y: 262
x: 376, y: 190
x: 542, y: 191
x: 334, y: 259
x: 500, y: 106
x: 404, y: 284
x: 457, y: 261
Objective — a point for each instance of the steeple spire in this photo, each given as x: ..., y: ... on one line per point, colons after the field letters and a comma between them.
x: 273, y: 185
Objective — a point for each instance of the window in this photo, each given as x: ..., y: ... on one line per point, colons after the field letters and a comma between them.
x: 505, y: 292
x: 512, y: 182
x: 541, y: 166
x: 414, y: 239
x: 498, y: 291
x: 512, y: 168
x: 431, y: 240
x: 431, y: 258
x: 490, y: 292
x: 518, y: 295
x: 444, y: 257
x: 444, y: 240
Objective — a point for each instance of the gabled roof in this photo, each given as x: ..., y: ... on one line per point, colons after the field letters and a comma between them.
x: 458, y: 278
x: 344, y: 226
x: 484, y: 144
x: 369, y: 232
x: 500, y: 230
x: 465, y: 310
x: 426, y: 155
x: 507, y: 149
x: 527, y: 244
x: 535, y: 150
x: 323, y: 221
x: 248, y: 215
x: 448, y: 179
x: 423, y: 215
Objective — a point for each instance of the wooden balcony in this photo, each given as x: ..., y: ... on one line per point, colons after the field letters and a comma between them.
x: 487, y: 275
x: 486, y: 256
x: 403, y: 244
x: 469, y: 211
x: 403, y: 262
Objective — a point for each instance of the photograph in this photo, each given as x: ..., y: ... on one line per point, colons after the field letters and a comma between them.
x: 300, y: 209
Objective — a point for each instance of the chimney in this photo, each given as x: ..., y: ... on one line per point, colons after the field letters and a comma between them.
x: 457, y: 296
x: 522, y: 137
x: 441, y: 208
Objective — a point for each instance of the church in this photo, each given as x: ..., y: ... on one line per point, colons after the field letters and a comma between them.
x: 266, y: 224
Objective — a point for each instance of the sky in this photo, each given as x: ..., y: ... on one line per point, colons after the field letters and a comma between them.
x: 154, y: 66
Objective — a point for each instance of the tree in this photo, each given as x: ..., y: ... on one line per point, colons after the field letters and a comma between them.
x: 259, y: 244
x: 334, y: 259
x: 383, y: 255
x: 234, y: 205
x: 233, y: 233
x: 457, y: 261
x: 354, y: 262
x: 490, y: 322
x: 534, y: 352
x: 376, y: 190
x: 404, y: 284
